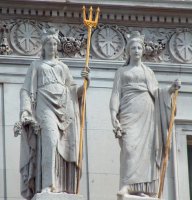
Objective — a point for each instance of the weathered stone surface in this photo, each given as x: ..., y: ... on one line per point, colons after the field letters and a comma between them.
x: 57, y: 196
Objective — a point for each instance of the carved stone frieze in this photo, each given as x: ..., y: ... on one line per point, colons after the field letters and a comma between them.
x: 73, y: 39
x: 108, y: 41
x: 155, y: 43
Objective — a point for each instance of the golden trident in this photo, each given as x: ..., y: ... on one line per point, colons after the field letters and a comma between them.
x: 89, y: 23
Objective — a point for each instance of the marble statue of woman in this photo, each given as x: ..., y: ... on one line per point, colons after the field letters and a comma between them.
x: 140, y: 113
x: 50, y: 121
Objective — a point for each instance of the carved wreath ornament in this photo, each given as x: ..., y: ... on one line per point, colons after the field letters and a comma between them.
x: 70, y: 45
x: 4, y: 45
x: 153, y: 50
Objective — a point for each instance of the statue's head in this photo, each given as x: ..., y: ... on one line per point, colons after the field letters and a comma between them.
x: 50, y: 42
x: 135, y: 40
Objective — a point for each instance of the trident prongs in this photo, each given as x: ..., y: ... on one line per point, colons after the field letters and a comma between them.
x: 84, y: 14
x: 90, y: 22
x: 90, y: 13
x: 97, y: 15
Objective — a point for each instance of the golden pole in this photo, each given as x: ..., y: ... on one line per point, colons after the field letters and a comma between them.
x: 89, y: 23
x: 168, y: 145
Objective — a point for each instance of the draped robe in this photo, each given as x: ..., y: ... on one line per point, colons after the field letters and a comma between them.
x: 49, y: 158
x: 143, y: 110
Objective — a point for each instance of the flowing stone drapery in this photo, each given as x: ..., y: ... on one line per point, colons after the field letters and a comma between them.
x: 143, y: 110
x: 49, y: 157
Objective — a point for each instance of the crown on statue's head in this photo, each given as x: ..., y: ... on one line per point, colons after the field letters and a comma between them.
x: 135, y: 36
x: 49, y: 33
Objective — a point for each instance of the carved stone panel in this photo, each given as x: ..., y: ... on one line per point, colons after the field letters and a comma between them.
x: 108, y: 42
x: 22, y: 37
x: 25, y: 38
x: 180, y: 46
x: 4, y: 44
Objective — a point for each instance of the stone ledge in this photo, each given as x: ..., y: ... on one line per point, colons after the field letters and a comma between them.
x: 133, y: 197
x: 57, y: 196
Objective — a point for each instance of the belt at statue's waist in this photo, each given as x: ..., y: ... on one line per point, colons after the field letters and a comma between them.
x: 50, y: 83
x: 133, y: 87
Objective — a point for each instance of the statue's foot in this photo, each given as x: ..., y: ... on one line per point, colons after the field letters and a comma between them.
x: 47, y: 189
x: 53, y: 189
x: 141, y: 194
x: 123, y: 191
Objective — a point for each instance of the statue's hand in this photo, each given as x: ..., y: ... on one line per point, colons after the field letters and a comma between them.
x: 114, y: 120
x: 85, y: 75
x: 116, y: 123
x: 176, y: 85
x: 25, y: 117
x: 117, y: 128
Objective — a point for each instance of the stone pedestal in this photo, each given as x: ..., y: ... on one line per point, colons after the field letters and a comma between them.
x: 132, y: 197
x: 57, y: 196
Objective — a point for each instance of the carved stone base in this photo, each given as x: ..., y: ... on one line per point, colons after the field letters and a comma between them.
x: 57, y: 196
x: 133, y: 197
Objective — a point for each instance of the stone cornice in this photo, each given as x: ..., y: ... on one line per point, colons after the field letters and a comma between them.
x: 139, y: 4
x: 155, y: 13
x: 98, y: 64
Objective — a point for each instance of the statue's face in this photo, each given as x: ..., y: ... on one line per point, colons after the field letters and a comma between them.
x: 50, y: 47
x: 136, y: 50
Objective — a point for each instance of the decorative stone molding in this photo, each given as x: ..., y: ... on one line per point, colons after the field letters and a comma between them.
x: 25, y: 38
x: 168, y: 45
x: 126, y: 14
x: 109, y: 42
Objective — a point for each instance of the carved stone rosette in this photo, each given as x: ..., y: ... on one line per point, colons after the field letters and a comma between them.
x: 25, y: 38
x: 180, y: 46
x: 107, y: 42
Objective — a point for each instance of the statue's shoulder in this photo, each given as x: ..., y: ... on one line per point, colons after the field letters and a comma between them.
x: 36, y: 63
x: 120, y: 70
x: 148, y: 69
x: 65, y: 66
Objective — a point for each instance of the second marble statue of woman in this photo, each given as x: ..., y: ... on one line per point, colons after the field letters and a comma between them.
x: 140, y: 113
